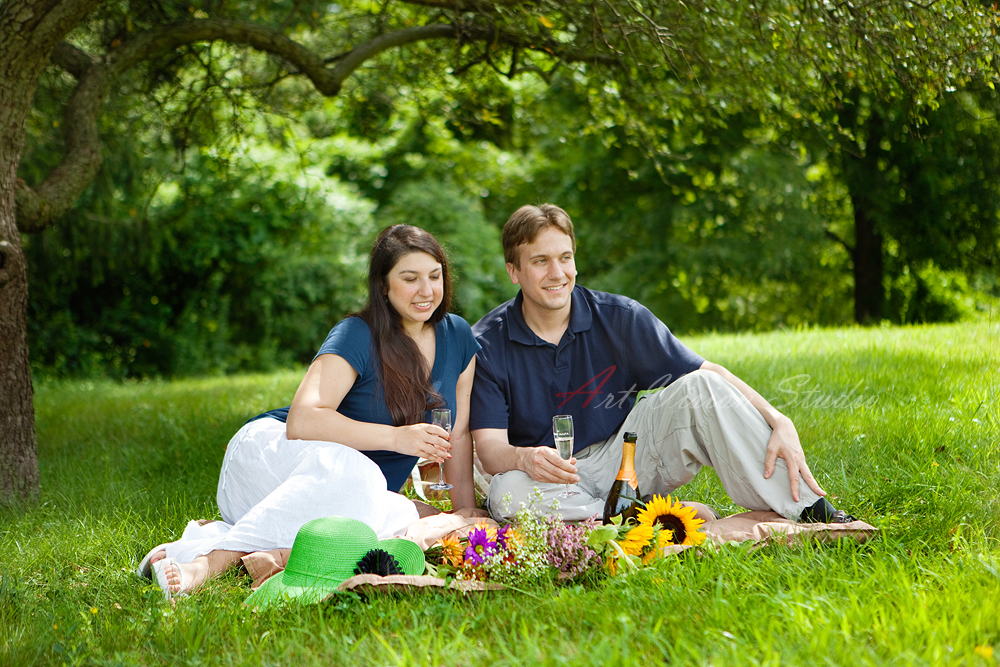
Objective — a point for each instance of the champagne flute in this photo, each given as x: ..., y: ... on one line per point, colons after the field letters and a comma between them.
x: 562, y: 431
x: 441, y: 417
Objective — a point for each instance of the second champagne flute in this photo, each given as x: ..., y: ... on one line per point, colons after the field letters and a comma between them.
x: 562, y: 432
x: 441, y: 417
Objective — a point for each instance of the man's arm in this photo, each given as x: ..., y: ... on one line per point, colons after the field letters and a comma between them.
x: 541, y: 463
x: 784, y: 441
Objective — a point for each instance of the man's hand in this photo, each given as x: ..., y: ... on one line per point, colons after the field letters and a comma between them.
x: 784, y: 443
x: 543, y: 464
x: 784, y: 440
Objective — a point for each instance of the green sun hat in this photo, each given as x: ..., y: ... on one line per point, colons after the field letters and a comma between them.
x: 326, y: 553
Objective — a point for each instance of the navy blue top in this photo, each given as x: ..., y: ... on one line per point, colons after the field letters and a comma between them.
x: 365, y: 401
x: 613, y: 348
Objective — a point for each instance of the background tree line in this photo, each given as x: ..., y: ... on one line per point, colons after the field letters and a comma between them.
x: 235, y: 239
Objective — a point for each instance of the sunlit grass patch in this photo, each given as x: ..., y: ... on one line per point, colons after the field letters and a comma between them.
x: 125, y: 466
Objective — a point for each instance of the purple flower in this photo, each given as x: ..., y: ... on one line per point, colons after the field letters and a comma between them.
x: 502, y: 536
x: 480, y: 547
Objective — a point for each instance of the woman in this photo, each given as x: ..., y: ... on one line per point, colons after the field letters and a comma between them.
x: 368, y: 389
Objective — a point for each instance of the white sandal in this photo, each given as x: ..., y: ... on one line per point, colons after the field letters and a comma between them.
x: 144, y: 569
x: 160, y: 573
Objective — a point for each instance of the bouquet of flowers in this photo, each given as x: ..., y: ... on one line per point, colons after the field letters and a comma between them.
x: 529, y: 548
x: 629, y: 544
x: 533, y: 546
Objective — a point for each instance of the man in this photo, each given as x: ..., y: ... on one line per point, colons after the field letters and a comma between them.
x: 558, y: 348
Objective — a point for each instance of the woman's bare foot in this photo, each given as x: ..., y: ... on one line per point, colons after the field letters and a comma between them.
x: 187, y: 577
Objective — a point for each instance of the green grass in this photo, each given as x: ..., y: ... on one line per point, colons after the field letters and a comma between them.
x: 917, y: 455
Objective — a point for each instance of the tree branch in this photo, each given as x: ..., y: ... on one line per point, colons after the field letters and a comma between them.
x: 356, y: 57
x: 40, y: 207
x: 70, y: 58
x: 149, y: 44
x: 38, y: 27
x: 32, y: 211
x: 467, y: 5
x: 833, y: 237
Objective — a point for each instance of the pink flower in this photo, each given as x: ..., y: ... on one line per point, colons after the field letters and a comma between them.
x: 567, y: 548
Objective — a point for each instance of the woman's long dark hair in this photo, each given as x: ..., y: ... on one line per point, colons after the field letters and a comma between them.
x: 406, y: 380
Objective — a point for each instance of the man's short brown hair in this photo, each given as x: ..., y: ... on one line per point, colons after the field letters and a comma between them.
x: 527, y: 223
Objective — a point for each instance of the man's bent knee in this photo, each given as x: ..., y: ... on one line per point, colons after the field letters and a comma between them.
x: 708, y: 389
x: 693, y: 388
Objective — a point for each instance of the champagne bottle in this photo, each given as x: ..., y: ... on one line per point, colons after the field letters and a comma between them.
x: 624, y: 497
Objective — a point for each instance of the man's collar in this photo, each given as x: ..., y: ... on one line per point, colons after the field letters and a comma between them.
x: 581, y: 317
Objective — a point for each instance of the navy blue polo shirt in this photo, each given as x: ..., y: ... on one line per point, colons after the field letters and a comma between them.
x: 613, y: 348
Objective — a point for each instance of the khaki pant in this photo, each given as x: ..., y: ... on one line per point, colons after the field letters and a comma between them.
x: 699, y: 420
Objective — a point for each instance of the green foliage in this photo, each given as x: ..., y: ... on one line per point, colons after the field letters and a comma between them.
x: 726, y: 233
x: 932, y: 191
x: 684, y: 168
x: 239, y: 264
x: 932, y: 295
x: 126, y: 465
x: 730, y: 233
x: 249, y: 250
x: 746, y: 225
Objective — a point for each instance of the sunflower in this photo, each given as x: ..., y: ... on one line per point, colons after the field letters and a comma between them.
x: 635, y: 542
x: 677, y: 523
x: 663, y: 538
x: 636, y: 539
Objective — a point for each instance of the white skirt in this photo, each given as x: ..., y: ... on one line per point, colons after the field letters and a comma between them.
x: 270, y: 486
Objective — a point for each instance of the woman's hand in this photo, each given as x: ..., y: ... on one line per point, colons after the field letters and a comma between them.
x: 423, y: 440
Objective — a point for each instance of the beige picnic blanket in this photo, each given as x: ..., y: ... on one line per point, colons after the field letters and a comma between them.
x: 762, y: 527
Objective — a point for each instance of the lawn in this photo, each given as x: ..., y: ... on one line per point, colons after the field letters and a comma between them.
x: 900, y: 425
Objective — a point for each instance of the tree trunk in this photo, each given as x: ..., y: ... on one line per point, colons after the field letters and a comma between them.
x: 865, y: 184
x: 869, y: 294
x: 18, y: 466
x: 29, y: 30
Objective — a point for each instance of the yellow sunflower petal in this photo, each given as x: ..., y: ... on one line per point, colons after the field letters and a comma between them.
x: 695, y: 537
x: 652, y: 554
x: 636, y: 539
x: 654, y: 508
x: 669, y: 511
